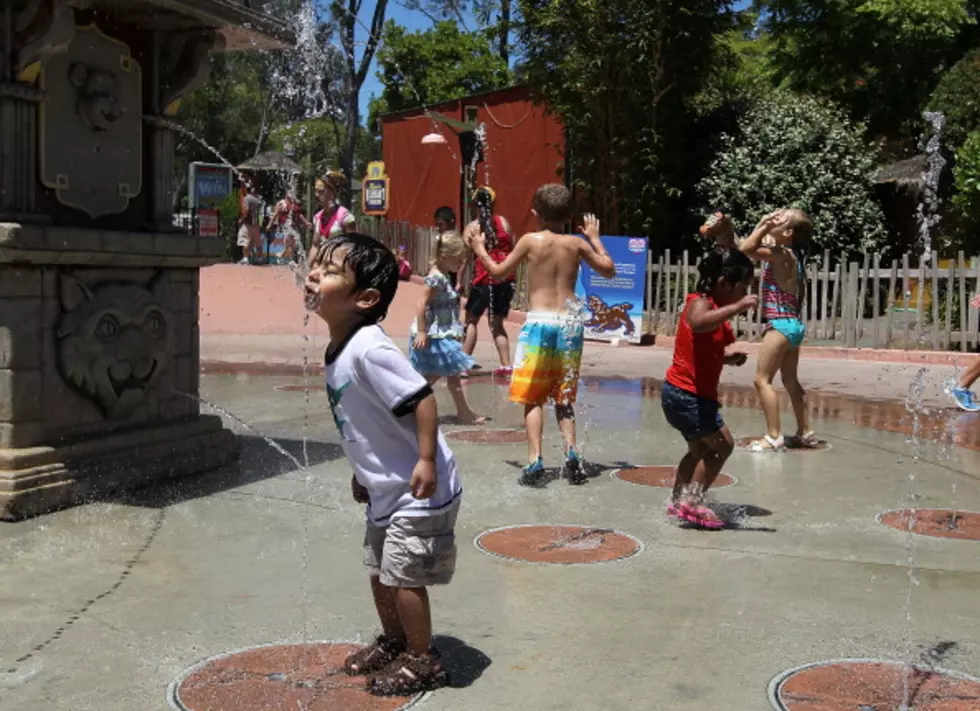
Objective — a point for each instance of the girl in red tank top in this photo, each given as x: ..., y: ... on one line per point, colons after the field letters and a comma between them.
x: 690, y: 393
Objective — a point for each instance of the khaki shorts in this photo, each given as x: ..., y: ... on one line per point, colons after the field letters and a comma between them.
x: 413, y: 551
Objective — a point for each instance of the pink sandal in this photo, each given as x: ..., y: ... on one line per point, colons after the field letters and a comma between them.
x: 700, y: 515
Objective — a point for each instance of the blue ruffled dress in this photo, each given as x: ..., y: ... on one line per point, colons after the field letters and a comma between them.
x: 443, y: 354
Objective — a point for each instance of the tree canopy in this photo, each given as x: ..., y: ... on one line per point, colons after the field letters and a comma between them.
x: 438, y: 64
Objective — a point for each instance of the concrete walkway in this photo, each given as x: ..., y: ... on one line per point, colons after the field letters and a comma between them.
x: 101, y: 607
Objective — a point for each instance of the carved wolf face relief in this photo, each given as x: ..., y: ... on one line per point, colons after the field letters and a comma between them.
x: 114, y: 340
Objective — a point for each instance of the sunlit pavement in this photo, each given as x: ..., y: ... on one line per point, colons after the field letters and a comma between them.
x: 106, y: 604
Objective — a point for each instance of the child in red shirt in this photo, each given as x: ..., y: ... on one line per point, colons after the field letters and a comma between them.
x: 690, y: 393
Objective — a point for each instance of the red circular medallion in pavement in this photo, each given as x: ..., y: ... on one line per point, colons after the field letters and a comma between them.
x: 488, y: 436
x: 937, y: 523
x: 561, y: 545
x: 283, y: 676
x: 662, y: 476
x: 746, y: 444
x: 866, y: 684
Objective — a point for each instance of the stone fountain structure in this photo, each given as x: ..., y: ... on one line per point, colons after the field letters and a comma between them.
x: 99, y: 343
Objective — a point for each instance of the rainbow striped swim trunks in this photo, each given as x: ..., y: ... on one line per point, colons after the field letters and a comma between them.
x: 549, y: 354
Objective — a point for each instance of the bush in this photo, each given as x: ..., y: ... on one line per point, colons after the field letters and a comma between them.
x: 966, y: 201
x: 796, y: 151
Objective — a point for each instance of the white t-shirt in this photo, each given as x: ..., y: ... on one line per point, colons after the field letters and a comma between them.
x: 372, y: 389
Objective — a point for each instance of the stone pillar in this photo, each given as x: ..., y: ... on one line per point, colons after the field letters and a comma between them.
x: 100, y: 365
x: 162, y: 184
x: 99, y: 339
x: 18, y: 150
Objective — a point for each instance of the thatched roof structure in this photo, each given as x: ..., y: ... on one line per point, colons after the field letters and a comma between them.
x: 905, y: 175
x: 272, y: 161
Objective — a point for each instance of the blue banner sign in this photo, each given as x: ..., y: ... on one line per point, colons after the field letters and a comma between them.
x: 209, y: 185
x: 614, y: 307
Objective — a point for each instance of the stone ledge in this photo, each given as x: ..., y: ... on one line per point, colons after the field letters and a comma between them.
x: 44, y: 479
x: 52, y: 244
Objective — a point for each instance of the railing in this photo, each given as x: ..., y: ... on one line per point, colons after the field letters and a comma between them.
x: 907, y: 305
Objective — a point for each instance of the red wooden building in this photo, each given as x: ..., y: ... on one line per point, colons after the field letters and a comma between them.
x: 525, y: 147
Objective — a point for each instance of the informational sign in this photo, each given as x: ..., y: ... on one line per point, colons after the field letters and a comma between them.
x: 207, y: 223
x: 375, y: 190
x: 209, y: 185
x: 614, y: 307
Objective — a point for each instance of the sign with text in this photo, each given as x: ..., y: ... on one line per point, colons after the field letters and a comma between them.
x: 614, y: 307
x: 207, y: 223
x: 209, y: 185
x: 375, y: 190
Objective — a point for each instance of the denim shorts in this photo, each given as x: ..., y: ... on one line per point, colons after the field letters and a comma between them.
x: 694, y: 417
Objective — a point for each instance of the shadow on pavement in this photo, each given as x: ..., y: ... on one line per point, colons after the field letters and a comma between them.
x: 464, y: 663
x: 257, y: 462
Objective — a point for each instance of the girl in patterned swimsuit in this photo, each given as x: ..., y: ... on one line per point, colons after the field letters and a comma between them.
x: 778, y: 241
x: 435, y: 348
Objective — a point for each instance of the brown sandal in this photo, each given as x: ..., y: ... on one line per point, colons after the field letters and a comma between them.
x: 410, y: 675
x: 374, y: 657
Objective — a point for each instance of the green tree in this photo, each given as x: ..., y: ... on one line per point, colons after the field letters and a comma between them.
x: 795, y: 151
x: 439, y: 64
x: 345, y: 14
x: 496, y: 16
x: 880, y: 59
x: 966, y: 201
x: 622, y: 77
x: 958, y: 98
x: 321, y: 141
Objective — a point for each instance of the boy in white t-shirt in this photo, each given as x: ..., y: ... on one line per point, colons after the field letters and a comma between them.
x: 386, y: 415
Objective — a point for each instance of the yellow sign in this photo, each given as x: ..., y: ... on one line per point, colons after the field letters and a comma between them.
x: 375, y: 193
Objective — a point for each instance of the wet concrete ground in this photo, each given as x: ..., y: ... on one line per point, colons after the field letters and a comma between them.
x: 118, y: 598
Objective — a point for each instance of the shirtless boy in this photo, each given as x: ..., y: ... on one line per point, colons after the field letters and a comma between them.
x: 549, y: 350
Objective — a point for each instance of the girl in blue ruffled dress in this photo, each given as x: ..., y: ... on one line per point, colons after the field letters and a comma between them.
x: 436, y: 348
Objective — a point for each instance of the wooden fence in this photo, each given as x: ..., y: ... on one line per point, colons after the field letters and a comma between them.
x: 906, y: 305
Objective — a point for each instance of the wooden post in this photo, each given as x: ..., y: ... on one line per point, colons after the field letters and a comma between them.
x: 686, y: 287
x: 961, y: 269
x: 920, y: 304
x: 838, y: 283
x: 905, y: 300
x: 668, y: 294
x: 825, y: 292
x: 892, y: 281
x: 863, y: 287
x: 876, y: 300
x: 657, y: 292
x: 975, y: 313
x: 937, y: 337
x: 648, y: 294
x: 853, y: 292
x: 950, y: 293
x: 812, y: 305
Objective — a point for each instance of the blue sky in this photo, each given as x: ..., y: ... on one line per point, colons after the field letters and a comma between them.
x: 413, y: 21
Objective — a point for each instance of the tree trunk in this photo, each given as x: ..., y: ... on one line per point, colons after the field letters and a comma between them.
x: 350, y: 143
x: 503, y: 47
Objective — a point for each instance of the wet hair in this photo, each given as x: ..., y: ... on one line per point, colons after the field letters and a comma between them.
x: 802, y: 227
x: 485, y: 198
x: 723, y: 262
x: 553, y: 203
x: 372, y: 264
x: 449, y: 245
x: 446, y: 214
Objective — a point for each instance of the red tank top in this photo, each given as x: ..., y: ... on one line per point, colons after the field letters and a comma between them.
x: 505, y: 245
x: 699, y: 357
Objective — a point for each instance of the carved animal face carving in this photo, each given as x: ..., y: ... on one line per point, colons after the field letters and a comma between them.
x: 98, y: 94
x: 114, y: 340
